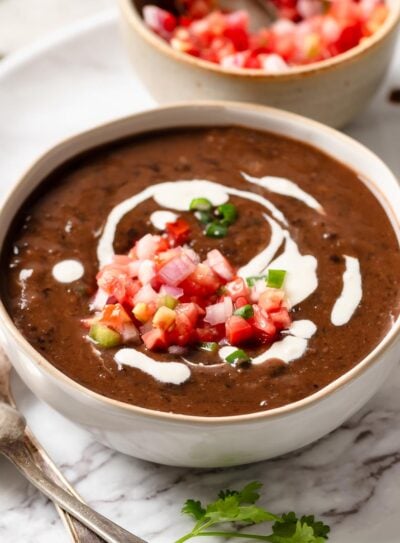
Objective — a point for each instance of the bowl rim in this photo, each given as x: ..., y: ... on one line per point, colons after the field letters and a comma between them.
x: 130, y: 13
x: 51, y: 371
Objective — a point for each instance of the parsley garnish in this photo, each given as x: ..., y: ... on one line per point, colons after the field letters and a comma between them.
x: 239, y: 507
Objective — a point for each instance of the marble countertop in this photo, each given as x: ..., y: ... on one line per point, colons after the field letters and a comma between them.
x: 350, y: 477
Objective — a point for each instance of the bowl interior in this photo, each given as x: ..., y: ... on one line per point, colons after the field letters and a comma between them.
x: 370, y: 168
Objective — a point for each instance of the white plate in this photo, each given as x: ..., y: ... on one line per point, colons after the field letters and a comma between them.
x: 75, y: 80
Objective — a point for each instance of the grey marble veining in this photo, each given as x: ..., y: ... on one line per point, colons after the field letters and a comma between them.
x: 350, y: 477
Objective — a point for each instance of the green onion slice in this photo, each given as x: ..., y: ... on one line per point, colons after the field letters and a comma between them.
x: 203, y: 216
x: 227, y: 213
x: 209, y: 346
x: 200, y: 204
x: 216, y: 230
x: 251, y: 281
x: 237, y: 357
x: 245, y: 311
x: 276, y: 278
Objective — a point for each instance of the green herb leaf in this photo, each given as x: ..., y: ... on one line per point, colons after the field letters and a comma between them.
x: 238, y: 506
x: 216, y: 230
x: 200, y: 204
x: 246, y: 311
x: 276, y: 278
x: 227, y: 213
x: 251, y: 281
x: 237, y: 357
x: 293, y: 530
x: 194, y: 509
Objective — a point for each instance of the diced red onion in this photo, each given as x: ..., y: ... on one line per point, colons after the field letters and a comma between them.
x: 257, y: 289
x: 215, y: 314
x: 147, y: 246
x: 176, y: 270
x: 175, y: 292
x: 194, y: 257
x: 177, y: 349
x: 146, y: 295
x: 133, y: 268
x: 130, y: 333
x: 100, y: 300
x: 147, y: 327
x: 146, y: 271
x: 219, y: 264
x: 228, y: 307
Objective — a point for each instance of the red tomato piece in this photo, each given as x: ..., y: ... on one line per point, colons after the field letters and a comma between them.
x: 178, y: 231
x: 155, y: 339
x: 238, y: 330
x: 237, y: 288
x: 263, y: 324
x: 281, y: 318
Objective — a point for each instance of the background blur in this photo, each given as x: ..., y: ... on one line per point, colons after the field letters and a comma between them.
x: 22, y: 21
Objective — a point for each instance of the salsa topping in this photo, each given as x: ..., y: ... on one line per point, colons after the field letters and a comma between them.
x: 162, y: 295
x: 305, y: 31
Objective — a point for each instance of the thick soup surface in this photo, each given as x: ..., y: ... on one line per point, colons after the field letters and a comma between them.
x: 347, y: 257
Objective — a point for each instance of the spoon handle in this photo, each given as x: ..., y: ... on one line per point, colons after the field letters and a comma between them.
x: 18, y: 453
x: 78, y: 532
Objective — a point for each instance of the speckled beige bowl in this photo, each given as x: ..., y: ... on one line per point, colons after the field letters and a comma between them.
x: 333, y: 91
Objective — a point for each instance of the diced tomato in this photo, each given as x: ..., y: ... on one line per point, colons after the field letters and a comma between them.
x: 178, y: 231
x: 114, y: 316
x: 263, y: 324
x: 271, y: 299
x: 237, y: 288
x: 281, y: 318
x: 240, y: 302
x: 202, y: 282
x: 238, y: 330
x: 191, y: 310
x: 183, y: 332
x: 155, y: 340
x: 210, y: 333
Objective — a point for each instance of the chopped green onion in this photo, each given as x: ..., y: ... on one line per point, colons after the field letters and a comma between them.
x: 276, y: 278
x: 238, y: 357
x: 216, y: 230
x: 203, y: 216
x: 104, y: 336
x: 209, y: 346
x: 168, y: 301
x: 251, y: 281
x: 200, y: 204
x: 245, y: 311
x: 228, y: 213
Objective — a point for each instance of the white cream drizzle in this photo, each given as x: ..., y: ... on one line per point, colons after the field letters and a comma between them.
x: 68, y: 271
x: 159, y: 219
x: 283, y: 186
x: 301, y: 271
x: 175, y: 373
x: 351, y: 295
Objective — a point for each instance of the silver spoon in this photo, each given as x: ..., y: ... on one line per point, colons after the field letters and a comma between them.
x: 78, y: 532
x: 17, y: 444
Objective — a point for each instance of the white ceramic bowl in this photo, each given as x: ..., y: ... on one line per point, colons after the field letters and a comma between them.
x: 332, y: 91
x: 198, y: 441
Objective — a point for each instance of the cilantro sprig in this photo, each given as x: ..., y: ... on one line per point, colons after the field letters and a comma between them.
x: 238, y: 508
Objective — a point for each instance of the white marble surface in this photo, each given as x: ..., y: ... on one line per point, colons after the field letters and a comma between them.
x: 350, y: 477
